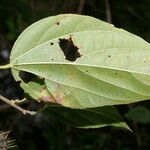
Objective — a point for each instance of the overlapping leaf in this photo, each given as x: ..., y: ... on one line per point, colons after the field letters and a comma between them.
x: 85, y: 63
x: 87, y: 118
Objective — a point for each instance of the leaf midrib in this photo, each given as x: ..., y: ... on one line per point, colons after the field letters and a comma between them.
x: 115, y: 32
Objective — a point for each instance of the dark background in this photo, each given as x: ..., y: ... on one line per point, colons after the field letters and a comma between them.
x: 42, y: 132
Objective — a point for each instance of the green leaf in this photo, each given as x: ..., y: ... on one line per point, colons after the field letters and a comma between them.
x: 139, y: 114
x: 99, y: 58
x: 50, y: 28
x: 87, y: 118
x: 85, y: 63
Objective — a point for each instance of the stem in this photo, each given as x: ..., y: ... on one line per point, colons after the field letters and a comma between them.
x: 6, y: 66
x: 12, y: 103
x: 81, y: 6
x: 108, y: 11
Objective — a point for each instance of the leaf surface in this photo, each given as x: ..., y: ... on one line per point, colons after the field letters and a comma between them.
x: 90, y: 73
x: 87, y: 118
x: 85, y: 63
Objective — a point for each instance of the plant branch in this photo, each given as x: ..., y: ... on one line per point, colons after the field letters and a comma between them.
x: 13, y: 104
x: 108, y: 11
x: 81, y: 6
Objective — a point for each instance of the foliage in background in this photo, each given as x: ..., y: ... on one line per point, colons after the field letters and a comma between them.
x: 139, y: 114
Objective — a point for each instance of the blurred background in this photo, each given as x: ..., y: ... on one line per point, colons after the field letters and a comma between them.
x: 44, y: 133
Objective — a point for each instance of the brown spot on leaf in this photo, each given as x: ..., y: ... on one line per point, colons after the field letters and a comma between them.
x: 69, y: 49
x: 57, y: 23
x: 46, y: 96
x: 59, y: 99
x: 47, y: 99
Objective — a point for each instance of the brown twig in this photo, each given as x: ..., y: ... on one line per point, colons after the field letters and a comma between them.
x: 108, y: 11
x: 13, y: 104
x: 3, y: 107
x: 81, y: 6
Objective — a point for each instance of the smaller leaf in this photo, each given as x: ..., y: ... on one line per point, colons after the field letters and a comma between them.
x: 139, y: 114
x: 87, y: 118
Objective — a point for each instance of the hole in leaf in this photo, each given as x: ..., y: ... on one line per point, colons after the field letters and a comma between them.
x: 69, y: 49
x: 57, y: 23
x: 26, y: 76
x: 52, y: 43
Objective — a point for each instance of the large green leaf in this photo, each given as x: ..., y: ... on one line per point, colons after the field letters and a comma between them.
x: 85, y: 63
x: 82, y: 77
x: 50, y: 28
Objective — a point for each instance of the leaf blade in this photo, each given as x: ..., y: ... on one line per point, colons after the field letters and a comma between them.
x: 88, y: 118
